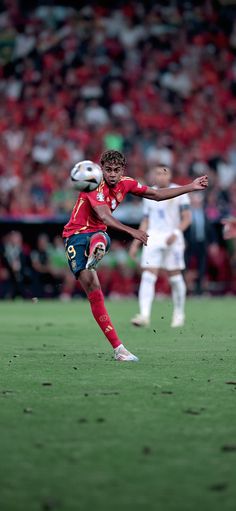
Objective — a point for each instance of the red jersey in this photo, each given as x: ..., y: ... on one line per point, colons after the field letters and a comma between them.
x: 84, y: 218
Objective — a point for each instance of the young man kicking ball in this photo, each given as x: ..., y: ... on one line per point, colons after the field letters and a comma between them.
x: 165, y: 223
x: 86, y: 240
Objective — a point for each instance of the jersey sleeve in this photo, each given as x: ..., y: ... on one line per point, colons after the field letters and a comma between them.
x: 184, y: 201
x: 134, y: 187
x: 96, y: 198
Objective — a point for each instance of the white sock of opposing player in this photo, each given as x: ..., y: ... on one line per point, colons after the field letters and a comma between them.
x: 178, y: 288
x: 146, y: 293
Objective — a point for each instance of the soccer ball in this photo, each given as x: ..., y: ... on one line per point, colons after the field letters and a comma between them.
x: 86, y: 176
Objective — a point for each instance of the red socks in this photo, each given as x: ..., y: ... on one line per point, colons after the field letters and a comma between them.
x: 100, y: 314
x: 97, y: 238
x: 96, y: 299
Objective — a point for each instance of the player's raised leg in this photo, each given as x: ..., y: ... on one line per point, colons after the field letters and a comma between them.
x: 90, y: 283
x: 178, y: 289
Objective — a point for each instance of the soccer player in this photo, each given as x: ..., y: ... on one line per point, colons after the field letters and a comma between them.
x: 86, y: 240
x: 165, y: 223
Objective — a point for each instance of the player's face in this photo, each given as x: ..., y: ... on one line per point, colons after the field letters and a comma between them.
x: 112, y: 173
x: 162, y: 177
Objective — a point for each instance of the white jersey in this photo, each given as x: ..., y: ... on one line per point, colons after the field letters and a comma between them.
x: 164, y: 217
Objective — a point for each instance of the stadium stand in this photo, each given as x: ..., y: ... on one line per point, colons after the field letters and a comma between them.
x: 157, y: 81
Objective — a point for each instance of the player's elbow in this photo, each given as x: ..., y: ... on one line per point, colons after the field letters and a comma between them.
x: 157, y: 196
x: 187, y: 224
x: 152, y: 194
x: 188, y: 219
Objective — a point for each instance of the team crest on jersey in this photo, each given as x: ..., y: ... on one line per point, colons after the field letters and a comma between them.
x: 119, y: 196
x: 100, y: 197
x: 139, y: 185
x: 113, y: 204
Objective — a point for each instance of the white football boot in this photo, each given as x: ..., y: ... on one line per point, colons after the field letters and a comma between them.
x: 96, y: 256
x: 123, y: 355
x: 140, y: 320
x: 178, y: 320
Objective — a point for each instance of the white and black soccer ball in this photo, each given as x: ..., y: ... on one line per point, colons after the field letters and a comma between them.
x: 86, y: 176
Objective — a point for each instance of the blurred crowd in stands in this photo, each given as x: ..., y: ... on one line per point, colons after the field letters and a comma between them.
x: 42, y: 271
x: 156, y: 80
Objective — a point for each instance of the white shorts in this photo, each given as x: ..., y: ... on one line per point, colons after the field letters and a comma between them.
x: 171, y: 258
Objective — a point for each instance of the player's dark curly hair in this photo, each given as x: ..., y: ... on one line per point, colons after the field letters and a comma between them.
x: 113, y: 157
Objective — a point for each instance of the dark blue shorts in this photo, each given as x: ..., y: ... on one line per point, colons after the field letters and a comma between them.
x: 76, y: 248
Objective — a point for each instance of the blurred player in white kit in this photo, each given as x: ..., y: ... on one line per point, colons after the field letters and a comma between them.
x: 165, y: 222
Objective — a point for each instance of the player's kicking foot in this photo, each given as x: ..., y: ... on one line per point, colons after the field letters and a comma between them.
x: 96, y: 255
x: 123, y: 355
x: 140, y: 320
x: 178, y: 320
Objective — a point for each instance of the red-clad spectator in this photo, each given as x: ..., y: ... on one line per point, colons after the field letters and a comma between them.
x: 161, y: 88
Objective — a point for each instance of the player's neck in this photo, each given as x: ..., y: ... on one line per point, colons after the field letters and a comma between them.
x: 111, y: 185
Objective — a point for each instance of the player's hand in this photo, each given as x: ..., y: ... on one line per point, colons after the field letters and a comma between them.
x: 140, y: 235
x: 229, y: 230
x: 200, y: 183
x: 171, y: 239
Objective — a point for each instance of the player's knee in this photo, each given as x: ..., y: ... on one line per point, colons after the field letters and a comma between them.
x: 149, y: 276
x: 89, y: 281
x: 174, y: 273
x: 92, y: 286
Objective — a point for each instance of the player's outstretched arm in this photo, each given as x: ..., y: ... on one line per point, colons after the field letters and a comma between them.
x: 169, y: 193
x: 103, y: 212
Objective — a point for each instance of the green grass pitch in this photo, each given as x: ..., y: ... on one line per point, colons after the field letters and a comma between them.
x: 79, y: 431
